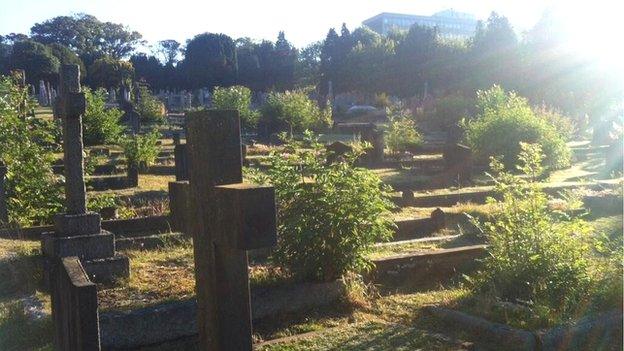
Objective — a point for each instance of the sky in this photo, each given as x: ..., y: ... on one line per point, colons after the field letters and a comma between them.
x: 303, y: 21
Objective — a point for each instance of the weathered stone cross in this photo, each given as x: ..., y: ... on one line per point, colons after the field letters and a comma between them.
x: 229, y: 218
x: 71, y: 105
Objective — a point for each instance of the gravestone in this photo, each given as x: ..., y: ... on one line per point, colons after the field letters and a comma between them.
x: 180, y: 155
x: 438, y: 219
x: 78, y: 232
x: 132, y: 176
x: 43, y: 95
x: 458, y: 162
x: 4, y: 213
x: 408, y: 196
x: 176, y: 138
x: 229, y: 218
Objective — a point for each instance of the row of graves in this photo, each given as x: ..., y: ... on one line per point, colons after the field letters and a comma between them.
x: 230, y: 222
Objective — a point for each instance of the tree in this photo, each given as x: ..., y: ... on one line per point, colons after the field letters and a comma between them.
x: 308, y: 66
x: 284, y: 59
x: 87, y: 36
x: 169, y: 50
x: 149, y: 69
x: 67, y: 57
x: 236, y: 98
x: 413, y: 56
x: 34, y: 58
x: 494, y: 54
x: 210, y: 61
x: 108, y: 72
x: 295, y: 110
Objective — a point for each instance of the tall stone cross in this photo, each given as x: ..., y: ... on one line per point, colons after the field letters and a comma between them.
x: 71, y: 107
x: 229, y: 218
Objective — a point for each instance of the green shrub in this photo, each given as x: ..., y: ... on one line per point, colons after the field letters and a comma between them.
x: 450, y: 110
x: 33, y: 191
x: 295, y: 110
x: 141, y: 150
x: 97, y: 202
x: 100, y: 125
x: 535, y: 254
x: 402, y: 134
x: 503, y: 121
x: 236, y: 98
x: 329, y: 215
x: 149, y: 107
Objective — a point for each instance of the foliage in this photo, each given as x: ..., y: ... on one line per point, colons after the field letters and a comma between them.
x: 34, y: 58
x: 169, y: 50
x: 402, y: 134
x: 451, y: 109
x: 141, y: 150
x: 210, y: 60
x: 329, y: 215
x: 236, y: 98
x: 564, y: 124
x: 296, y: 110
x: 67, y: 57
x: 98, y: 202
x: 503, y: 121
x: 535, y: 254
x: 149, y: 107
x: 33, y: 190
x: 108, y: 72
x: 87, y: 36
x: 100, y: 125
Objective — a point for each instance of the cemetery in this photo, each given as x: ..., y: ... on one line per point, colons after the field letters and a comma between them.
x: 186, y: 210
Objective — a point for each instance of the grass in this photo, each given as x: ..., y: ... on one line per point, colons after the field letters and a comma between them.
x: 391, y: 322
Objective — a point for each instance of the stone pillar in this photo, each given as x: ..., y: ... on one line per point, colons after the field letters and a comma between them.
x: 180, y: 154
x: 179, y: 209
x: 458, y: 162
x: 229, y: 217
x: 4, y: 212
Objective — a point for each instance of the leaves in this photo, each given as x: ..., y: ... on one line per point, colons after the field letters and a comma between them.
x: 329, y: 215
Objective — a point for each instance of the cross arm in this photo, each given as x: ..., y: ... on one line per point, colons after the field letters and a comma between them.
x: 248, y: 214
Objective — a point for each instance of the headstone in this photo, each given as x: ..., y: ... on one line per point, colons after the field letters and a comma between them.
x: 229, y: 218
x: 43, y: 95
x: 179, y: 202
x: 180, y: 155
x: 458, y: 162
x: 368, y: 132
x: 78, y: 232
x: 176, y: 138
x: 4, y: 213
x: 407, y: 196
x: 132, y: 174
x: 438, y: 218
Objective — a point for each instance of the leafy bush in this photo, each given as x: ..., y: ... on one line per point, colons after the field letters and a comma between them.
x: 33, y: 191
x: 503, y: 121
x: 141, y: 150
x: 149, y: 107
x: 100, y: 125
x: 98, y: 202
x: 402, y: 134
x: 329, y: 215
x: 535, y: 254
x: 564, y: 124
x: 236, y: 98
x: 296, y: 110
x: 450, y: 110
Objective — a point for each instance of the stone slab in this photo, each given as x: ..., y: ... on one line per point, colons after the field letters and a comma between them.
x: 107, y: 270
x: 77, y: 224
x: 85, y: 247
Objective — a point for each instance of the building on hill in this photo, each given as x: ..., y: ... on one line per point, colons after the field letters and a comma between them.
x: 450, y: 23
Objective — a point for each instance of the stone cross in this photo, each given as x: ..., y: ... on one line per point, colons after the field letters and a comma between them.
x: 71, y: 107
x: 230, y: 217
